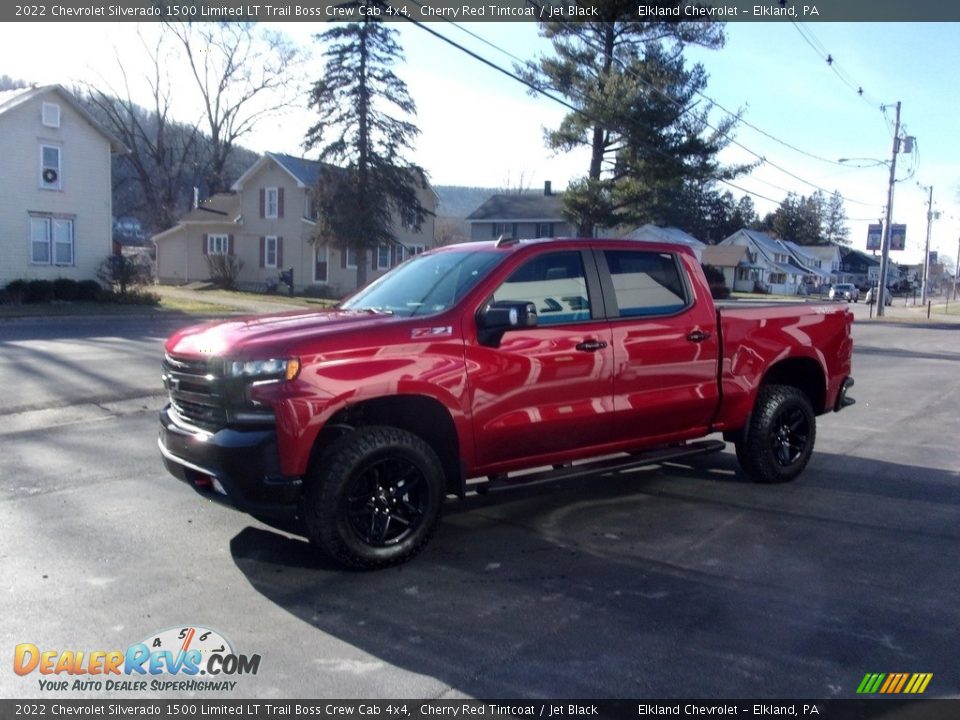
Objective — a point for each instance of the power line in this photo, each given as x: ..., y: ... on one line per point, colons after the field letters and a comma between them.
x: 580, y: 111
x: 762, y: 158
x: 820, y: 50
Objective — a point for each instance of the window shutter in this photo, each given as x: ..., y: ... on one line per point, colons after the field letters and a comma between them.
x: 205, y: 245
x: 263, y: 202
x: 263, y: 251
x: 280, y: 250
x: 229, y: 244
x: 279, y: 202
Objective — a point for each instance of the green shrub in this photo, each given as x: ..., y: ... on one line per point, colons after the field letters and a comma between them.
x: 136, y: 296
x: 89, y: 290
x: 38, y: 292
x: 719, y: 292
x: 65, y: 289
x: 17, y: 291
x: 323, y: 292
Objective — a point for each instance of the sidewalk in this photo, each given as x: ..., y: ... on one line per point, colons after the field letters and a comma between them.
x: 941, y: 312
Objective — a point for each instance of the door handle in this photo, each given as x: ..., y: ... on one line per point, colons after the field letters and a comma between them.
x: 698, y: 336
x: 591, y: 345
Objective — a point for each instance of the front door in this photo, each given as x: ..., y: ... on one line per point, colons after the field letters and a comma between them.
x: 546, y: 389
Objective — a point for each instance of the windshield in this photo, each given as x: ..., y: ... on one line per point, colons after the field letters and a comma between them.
x: 425, y: 285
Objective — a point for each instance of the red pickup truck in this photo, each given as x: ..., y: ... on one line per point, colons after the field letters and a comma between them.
x: 484, y: 365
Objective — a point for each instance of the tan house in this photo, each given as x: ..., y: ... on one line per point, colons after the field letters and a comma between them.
x: 268, y: 222
x: 55, y: 188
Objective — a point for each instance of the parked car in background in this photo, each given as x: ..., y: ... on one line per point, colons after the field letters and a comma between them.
x: 845, y: 291
x: 871, y: 296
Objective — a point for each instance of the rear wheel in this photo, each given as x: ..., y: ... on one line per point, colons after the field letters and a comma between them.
x: 780, y: 439
x: 374, y: 498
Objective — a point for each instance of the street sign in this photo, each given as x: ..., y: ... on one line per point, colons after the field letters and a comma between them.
x: 898, y: 237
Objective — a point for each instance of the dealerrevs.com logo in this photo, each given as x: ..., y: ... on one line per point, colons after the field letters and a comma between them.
x: 182, y: 659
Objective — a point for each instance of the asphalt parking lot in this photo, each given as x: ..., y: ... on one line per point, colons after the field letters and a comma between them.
x: 680, y: 580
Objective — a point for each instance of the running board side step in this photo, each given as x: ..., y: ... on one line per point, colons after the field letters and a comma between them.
x: 626, y: 462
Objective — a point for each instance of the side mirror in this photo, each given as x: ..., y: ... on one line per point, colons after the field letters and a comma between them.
x: 496, y: 318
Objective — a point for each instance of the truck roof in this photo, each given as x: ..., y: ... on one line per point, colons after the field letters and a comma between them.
x: 513, y: 244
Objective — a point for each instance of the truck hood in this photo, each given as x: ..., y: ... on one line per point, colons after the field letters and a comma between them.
x: 268, y: 335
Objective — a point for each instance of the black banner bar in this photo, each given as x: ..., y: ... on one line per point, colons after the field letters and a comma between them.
x: 190, y: 709
x: 480, y: 10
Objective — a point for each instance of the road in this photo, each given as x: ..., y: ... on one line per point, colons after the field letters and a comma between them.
x: 682, y: 580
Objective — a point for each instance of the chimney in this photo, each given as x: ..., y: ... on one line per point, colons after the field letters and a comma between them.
x: 547, y: 189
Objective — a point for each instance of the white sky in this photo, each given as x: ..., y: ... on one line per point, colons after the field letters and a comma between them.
x: 480, y: 128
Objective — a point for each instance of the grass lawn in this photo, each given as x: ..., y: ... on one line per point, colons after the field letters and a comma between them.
x: 185, y: 301
x: 90, y: 309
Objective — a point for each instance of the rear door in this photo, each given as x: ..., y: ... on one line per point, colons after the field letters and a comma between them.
x: 548, y: 389
x: 665, y: 344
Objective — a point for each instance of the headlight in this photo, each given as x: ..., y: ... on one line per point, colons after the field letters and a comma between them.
x: 283, y: 369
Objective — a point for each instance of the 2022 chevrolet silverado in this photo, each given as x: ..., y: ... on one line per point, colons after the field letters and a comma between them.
x: 486, y: 361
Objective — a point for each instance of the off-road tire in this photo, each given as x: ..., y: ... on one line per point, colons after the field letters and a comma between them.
x: 780, y: 439
x: 374, y: 498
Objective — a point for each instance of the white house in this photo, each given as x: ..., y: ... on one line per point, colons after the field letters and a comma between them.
x: 55, y: 188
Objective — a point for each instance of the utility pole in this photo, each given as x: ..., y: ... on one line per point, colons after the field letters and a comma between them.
x: 956, y: 274
x: 885, y: 243
x: 924, y: 291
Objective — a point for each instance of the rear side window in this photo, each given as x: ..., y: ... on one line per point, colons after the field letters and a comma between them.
x: 646, y: 283
x: 555, y: 283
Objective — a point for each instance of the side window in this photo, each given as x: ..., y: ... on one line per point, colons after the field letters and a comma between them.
x: 555, y: 283
x: 646, y: 283
x: 50, y: 167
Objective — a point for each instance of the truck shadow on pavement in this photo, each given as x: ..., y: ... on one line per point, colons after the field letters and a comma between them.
x: 683, y: 580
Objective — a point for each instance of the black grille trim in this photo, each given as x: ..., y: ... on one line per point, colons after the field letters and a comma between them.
x: 196, y: 388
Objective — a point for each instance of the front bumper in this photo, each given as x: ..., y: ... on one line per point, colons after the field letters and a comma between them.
x: 239, y: 467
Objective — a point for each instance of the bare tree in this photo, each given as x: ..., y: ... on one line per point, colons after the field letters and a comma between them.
x: 520, y: 187
x: 243, y: 74
x: 450, y: 230
x: 163, y: 154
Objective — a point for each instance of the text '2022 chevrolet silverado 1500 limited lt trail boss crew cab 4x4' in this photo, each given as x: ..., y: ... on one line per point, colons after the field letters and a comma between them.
x: 486, y: 360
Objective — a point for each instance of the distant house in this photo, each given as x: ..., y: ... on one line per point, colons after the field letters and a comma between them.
x: 772, y: 266
x: 730, y: 259
x: 520, y: 216
x: 863, y: 269
x: 802, y: 257
x: 55, y: 188
x: 831, y: 261
x: 268, y: 221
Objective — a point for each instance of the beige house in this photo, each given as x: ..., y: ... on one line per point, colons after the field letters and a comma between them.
x: 268, y: 222
x: 55, y: 188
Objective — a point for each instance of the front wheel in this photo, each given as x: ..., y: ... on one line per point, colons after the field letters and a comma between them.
x: 781, y: 435
x: 374, y: 498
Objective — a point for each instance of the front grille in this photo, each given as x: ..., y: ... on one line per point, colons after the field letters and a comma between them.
x: 196, y: 390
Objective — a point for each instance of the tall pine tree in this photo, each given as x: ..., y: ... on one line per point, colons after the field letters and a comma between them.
x: 363, y: 132
x: 636, y: 109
